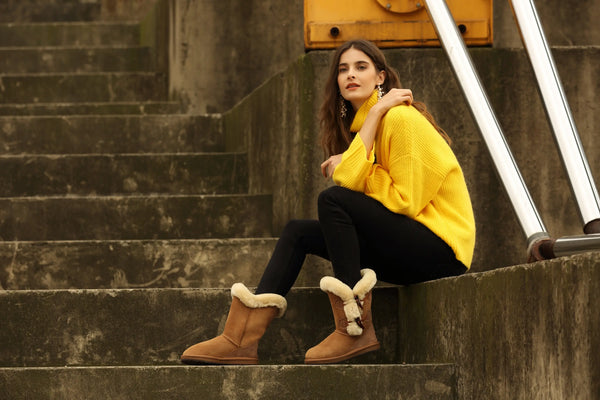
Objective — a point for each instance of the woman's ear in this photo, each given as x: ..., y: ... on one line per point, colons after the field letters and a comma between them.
x: 381, y: 77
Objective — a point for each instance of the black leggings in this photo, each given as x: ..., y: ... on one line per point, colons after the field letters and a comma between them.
x: 355, y: 231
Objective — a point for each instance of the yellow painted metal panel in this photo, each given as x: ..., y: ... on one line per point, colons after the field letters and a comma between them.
x: 391, y: 23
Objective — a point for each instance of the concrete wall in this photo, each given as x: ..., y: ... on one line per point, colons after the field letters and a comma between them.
x: 277, y: 125
x: 527, y: 332
x: 222, y: 50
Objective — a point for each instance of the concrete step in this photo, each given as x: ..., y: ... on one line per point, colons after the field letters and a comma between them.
x: 111, y: 134
x: 112, y: 108
x: 154, y: 326
x: 135, y: 217
x: 112, y: 264
x: 50, y: 10
x: 84, y: 87
x: 423, y: 382
x: 113, y: 174
x: 24, y: 60
x: 69, y: 34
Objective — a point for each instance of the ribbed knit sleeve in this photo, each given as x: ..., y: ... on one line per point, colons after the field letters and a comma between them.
x: 355, y: 167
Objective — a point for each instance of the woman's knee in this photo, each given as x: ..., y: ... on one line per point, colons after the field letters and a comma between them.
x: 331, y: 195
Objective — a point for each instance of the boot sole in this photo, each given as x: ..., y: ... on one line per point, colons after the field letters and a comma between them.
x: 219, y: 361
x: 344, y: 357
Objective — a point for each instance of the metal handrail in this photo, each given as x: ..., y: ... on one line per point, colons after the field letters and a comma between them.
x: 540, y: 244
x: 486, y: 120
x: 559, y: 113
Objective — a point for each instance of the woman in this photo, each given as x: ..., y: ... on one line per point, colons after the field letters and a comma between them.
x: 399, y: 206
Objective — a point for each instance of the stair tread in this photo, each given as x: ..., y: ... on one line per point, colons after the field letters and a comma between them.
x: 98, y: 87
x: 422, y: 381
x: 160, y: 216
x: 110, y: 133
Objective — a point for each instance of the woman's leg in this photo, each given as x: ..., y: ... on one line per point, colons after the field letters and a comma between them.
x: 250, y: 314
x: 299, y: 238
x: 361, y: 232
x: 340, y: 233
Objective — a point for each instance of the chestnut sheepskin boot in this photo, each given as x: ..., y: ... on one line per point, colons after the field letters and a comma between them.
x: 354, y: 333
x: 248, y: 319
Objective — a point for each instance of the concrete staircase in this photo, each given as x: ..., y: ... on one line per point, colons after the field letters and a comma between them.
x: 123, y: 224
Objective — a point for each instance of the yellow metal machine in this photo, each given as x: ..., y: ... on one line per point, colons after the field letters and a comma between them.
x: 391, y: 23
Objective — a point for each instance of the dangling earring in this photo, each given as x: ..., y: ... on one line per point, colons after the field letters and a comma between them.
x: 379, y: 92
x: 343, y: 109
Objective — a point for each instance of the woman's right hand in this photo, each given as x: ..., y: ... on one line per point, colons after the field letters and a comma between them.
x: 329, y: 165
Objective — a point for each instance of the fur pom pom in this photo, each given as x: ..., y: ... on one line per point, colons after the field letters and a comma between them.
x: 349, y: 297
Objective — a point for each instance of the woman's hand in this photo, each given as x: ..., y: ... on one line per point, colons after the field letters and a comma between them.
x: 393, y: 98
x: 330, y: 164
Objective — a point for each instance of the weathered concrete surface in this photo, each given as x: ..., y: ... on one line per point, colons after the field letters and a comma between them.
x: 112, y: 108
x: 69, y: 34
x: 381, y: 382
x: 91, y: 174
x: 83, y: 87
x: 277, y: 124
x: 49, y: 10
x: 222, y: 50
x: 112, y: 264
x: 154, y: 326
x: 109, y: 134
x: 525, y: 332
x: 77, y: 60
x: 135, y: 217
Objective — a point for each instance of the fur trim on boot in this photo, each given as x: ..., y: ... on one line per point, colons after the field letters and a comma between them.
x: 252, y: 300
x: 352, y: 298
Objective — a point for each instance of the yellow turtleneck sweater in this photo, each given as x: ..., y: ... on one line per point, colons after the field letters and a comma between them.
x: 411, y: 170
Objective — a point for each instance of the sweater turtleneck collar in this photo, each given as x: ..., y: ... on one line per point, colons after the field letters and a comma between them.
x: 362, y: 112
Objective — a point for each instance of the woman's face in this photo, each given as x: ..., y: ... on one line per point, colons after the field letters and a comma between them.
x: 357, y: 77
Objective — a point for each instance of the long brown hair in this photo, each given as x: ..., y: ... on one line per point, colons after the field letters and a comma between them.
x: 335, y: 130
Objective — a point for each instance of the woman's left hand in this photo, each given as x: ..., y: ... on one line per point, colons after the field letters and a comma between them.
x: 394, y: 98
x: 329, y: 165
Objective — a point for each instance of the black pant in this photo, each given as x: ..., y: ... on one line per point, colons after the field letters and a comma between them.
x: 355, y: 231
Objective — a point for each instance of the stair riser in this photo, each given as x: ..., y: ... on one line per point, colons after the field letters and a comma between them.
x: 110, y: 134
x: 139, y: 108
x: 51, y: 10
x: 153, y: 217
x: 68, y: 34
x: 82, y: 88
x: 215, y: 263
x: 423, y: 382
x: 152, y: 327
x: 134, y: 174
x: 50, y: 60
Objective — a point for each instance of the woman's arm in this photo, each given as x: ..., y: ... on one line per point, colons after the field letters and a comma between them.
x: 391, y: 99
x: 368, y: 131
